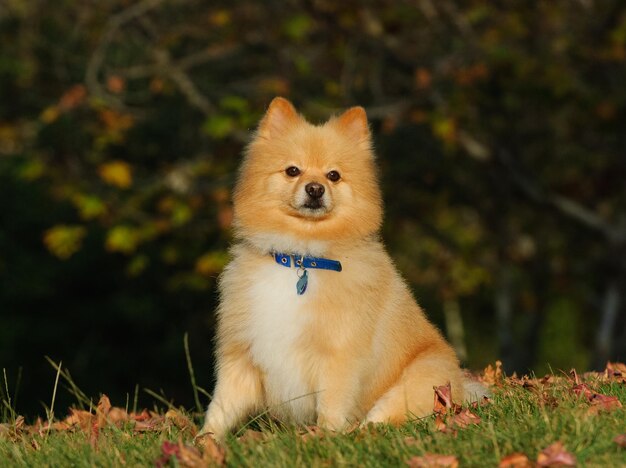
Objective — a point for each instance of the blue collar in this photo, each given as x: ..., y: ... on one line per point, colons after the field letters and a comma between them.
x: 307, y: 262
x: 302, y: 263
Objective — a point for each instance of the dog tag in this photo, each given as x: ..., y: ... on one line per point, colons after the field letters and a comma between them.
x: 302, y: 283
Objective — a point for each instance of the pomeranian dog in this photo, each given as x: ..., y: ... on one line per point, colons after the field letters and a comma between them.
x: 315, y: 323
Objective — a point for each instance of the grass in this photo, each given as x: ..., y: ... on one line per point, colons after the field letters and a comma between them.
x: 520, y: 417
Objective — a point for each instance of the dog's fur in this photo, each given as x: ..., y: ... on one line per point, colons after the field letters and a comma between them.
x: 355, y: 346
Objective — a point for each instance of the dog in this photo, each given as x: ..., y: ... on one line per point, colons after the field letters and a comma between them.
x: 315, y: 324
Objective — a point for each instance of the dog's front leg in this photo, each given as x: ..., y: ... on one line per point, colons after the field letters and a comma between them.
x: 238, y: 392
x: 337, y: 401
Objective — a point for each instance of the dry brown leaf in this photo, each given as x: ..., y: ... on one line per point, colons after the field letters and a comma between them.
x: 143, y: 416
x: 601, y: 402
x: 252, y: 436
x: 19, y: 425
x: 620, y: 440
x: 81, y: 418
x: 117, y: 416
x: 515, y: 460
x: 493, y: 375
x: 190, y: 457
x: 432, y: 461
x: 583, y: 390
x: 168, y: 449
x: 443, y: 399
x: 464, y: 419
x: 440, y: 424
x: 212, y: 452
x: 181, y: 421
x: 616, y: 369
x: 555, y: 455
x: 312, y: 432
x: 102, y: 410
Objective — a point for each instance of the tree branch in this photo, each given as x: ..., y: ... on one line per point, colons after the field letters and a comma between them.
x: 113, y: 25
x: 566, y: 207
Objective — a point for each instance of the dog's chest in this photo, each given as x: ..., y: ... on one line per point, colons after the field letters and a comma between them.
x: 280, y: 320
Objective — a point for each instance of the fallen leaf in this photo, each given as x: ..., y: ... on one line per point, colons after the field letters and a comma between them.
x: 117, y: 416
x: 312, y: 432
x: 620, y: 440
x: 464, y: 419
x: 615, y: 371
x: 491, y: 375
x: 168, y: 449
x: 181, y: 421
x: 252, y: 436
x: 443, y: 398
x: 601, y: 402
x: 80, y: 418
x: 102, y: 410
x: 515, y: 460
x: 190, y: 457
x: 433, y: 460
x: 212, y: 452
x: 555, y: 455
x: 584, y: 390
x: 440, y: 425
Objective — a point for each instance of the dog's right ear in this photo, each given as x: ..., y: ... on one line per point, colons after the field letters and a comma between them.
x: 280, y: 115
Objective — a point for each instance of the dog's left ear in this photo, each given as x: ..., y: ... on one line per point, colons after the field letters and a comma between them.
x: 354, y: 122
x: 279, y: 116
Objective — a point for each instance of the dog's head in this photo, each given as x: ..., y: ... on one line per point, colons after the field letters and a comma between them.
x: 308, y: 182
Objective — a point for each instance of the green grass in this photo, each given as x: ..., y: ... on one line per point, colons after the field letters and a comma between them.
x: 516, y: 420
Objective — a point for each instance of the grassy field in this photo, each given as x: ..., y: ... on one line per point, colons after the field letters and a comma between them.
x: 563, y: 418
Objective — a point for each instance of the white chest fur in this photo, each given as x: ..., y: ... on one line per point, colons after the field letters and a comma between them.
x: 278, y: 321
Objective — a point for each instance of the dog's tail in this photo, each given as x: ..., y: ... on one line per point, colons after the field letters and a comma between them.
x: 474, y: 390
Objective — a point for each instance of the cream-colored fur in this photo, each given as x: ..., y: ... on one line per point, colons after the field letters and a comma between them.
x: 355, y: 346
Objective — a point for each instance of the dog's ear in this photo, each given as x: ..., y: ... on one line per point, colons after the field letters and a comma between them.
x: 354, y: 123
x: 279, y: 116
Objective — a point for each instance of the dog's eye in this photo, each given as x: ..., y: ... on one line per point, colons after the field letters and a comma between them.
x: 333, y: 176
x: 292, y: 171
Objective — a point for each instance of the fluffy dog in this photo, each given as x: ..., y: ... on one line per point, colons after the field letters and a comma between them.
x: 315, y: 323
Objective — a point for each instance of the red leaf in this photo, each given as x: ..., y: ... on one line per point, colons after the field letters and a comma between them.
x: 464, y: 419
x: 601, y: 402
x: 167, y: 449
x: 584, y: 390
x: 443, y: 398
x: 213, y: 453
x: 555, y: 455
x: 432, y: 461
x: 620, y: 440
x: 515, y: 460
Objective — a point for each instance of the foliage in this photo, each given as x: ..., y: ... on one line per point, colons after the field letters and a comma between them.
x: 555, y: 419
x: 499, y: 132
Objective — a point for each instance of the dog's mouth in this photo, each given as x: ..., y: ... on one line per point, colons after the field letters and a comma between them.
x: 314, y: 204
x: 312, y: 208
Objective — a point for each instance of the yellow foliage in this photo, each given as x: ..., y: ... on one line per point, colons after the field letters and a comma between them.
x: 211, y: 263
x: 118, y: 173
x: 49, y: 114
x: 123, y: 239
x: 89, y: 206
x: 445, y: 129
x: 64, y: 241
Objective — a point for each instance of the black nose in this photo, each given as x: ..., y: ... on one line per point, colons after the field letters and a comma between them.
x: 314, y: 190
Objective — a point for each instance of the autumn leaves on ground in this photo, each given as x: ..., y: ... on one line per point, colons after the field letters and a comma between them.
x: 563, y: 419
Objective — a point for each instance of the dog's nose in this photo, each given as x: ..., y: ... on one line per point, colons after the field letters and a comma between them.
x: 314, y: 190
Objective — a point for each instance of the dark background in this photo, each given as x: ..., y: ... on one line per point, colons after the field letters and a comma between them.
x: 500, y: 133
